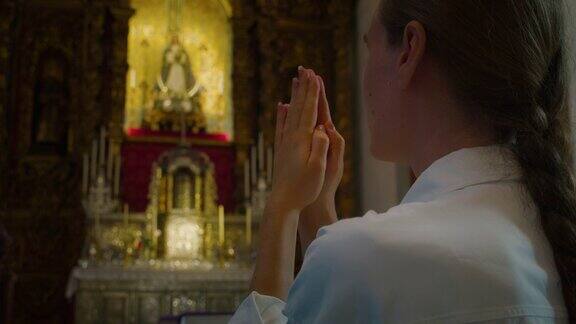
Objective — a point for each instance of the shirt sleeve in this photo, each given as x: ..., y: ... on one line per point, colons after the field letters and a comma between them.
x: 320, y: 293
x: 259, y: 309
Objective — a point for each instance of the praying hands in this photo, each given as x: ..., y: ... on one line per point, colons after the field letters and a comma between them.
x: 307, y: 170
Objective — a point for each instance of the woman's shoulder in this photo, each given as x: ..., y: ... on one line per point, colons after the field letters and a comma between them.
x: 451, y: 242
x: 380, y: 245
x: 414, y: 256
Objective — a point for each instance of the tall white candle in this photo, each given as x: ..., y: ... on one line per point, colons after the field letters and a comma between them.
x: 197, y: 193
x: 97, y: 227
x: 102, y: 152
x: 248, y: 224
x: 269, y: 163
x: 260, y: 152
x: 85, y: 168
x: 221, y: 224
x: 253, y: 165
x: 246, y: 180
x: 93, y: 159
x: 126, y: 214
x: 117, y: 167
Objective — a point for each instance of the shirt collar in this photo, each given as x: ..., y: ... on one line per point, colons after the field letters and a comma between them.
x: 462, y: 168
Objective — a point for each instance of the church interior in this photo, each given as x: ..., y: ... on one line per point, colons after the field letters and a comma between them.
x: 137, y: 152
x: 136, y: 141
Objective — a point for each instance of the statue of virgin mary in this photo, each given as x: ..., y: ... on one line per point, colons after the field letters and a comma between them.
x: 176, y: 82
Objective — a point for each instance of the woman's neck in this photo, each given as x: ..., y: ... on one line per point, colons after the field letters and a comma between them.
x: 440, y: 141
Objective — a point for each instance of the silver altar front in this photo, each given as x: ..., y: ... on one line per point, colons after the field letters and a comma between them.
x: 145, y: 294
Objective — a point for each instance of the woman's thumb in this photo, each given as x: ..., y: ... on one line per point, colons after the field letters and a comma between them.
x: 337, y: 144
x: 320, y: 144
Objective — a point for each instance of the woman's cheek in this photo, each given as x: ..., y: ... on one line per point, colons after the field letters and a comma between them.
x: 370, y: 91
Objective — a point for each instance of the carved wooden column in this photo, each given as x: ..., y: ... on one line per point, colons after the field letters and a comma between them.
x: 65, y: 40
x: 245, y: 84
x: 117, y: 67
x: 343, y: 38
x: 6, y: 21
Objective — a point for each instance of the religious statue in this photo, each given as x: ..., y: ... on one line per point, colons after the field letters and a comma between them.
x: 176, y: 98
x: 51, y: 101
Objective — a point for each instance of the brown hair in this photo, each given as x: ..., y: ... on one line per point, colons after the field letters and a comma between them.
x: 506, y: 61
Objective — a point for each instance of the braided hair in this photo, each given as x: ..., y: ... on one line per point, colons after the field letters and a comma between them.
x: 506, y: 62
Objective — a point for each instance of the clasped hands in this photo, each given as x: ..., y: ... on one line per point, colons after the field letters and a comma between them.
x: 308, y: 163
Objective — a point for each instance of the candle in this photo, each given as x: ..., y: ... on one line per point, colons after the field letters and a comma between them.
x: 117, y: 175
x: 110, y: 163
x: 260, y: 152
x: 198, y: 192
x: 102, y: 152
x: 253, y: 164
x: 93, y: 164
x: 246, y: 180
x: 126, y: 214
x: 269, y: 163
x: 85, y: 168
x: 97, y: 227
x: 248, y: 225
x: 221, y: 224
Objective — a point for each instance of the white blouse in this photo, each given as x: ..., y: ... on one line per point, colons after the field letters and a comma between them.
x: 464, y: 246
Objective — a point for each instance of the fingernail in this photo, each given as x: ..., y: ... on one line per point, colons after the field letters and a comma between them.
x: 320, y: 127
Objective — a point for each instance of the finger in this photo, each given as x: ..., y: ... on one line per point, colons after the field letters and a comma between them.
x: 319, y: 150
x: 337, y: 146
x: 324, y: 107
x: 281, y: 111
x: 295, y: 83
x: 293, y: 117
x: 310, y: 108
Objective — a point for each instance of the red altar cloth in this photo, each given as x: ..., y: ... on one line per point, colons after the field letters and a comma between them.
x: 138, y: 155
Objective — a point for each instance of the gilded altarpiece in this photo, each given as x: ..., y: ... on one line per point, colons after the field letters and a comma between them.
x: 85, y: 46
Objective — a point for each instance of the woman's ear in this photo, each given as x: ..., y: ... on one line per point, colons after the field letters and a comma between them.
x: 411, y: 52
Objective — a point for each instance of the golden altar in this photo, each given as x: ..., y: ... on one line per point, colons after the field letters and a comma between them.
x: 183, y: 252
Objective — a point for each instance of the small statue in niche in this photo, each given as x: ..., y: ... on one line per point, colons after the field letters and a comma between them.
x: 51, y: 100
x: 176, y: 102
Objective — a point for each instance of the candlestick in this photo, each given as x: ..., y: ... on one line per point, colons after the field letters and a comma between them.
x: 269, y: 163
x: 93, y: 158
x: 221, y: 224
x: 260, y: 152
x: 248, y: 225
x: 126, y: 214
x: 246, y: 180
x: 117, y: 175
x: 85, y: 167
x: 97, y: 227
x: 253, y: 165
x: 102, y: 152
x: 198, y: 192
